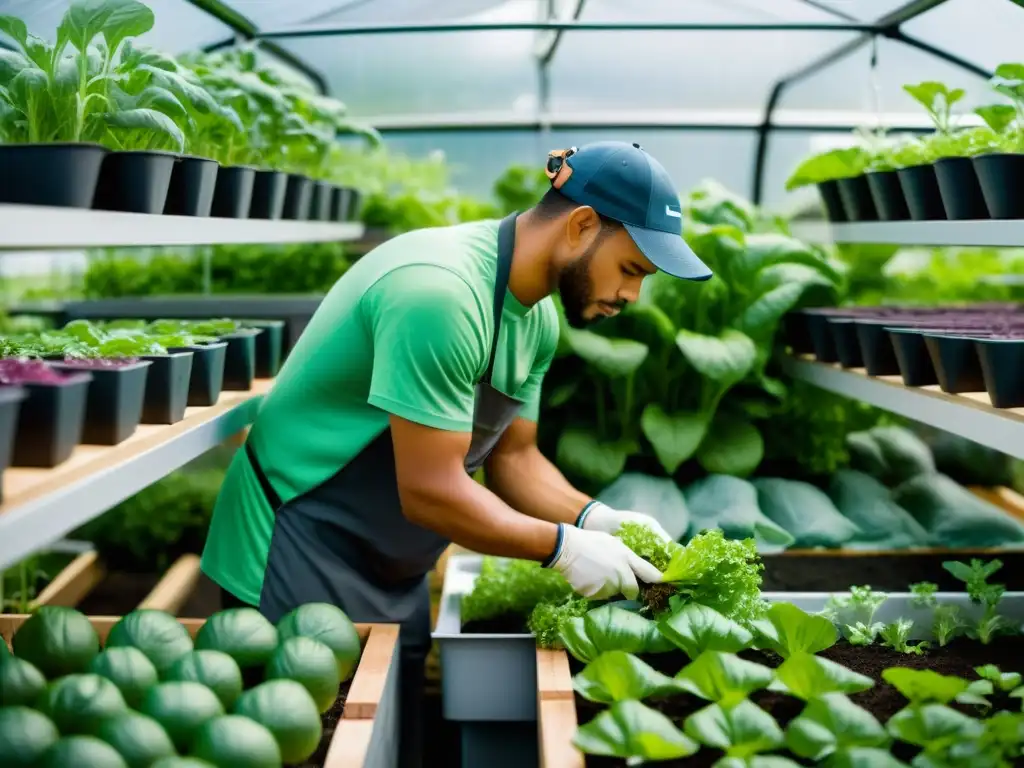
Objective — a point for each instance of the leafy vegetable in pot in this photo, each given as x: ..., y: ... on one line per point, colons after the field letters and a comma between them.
x: 630, y: 730
x: 828, y: 166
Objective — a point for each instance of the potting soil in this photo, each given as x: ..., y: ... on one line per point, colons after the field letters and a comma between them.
x: 959, y: 658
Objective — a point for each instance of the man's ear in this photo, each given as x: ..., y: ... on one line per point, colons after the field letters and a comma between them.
x: 581, y: 227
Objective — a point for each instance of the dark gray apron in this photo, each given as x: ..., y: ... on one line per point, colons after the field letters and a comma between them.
x: 346, y: 541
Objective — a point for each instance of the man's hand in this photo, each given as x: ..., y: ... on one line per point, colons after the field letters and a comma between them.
x: 599, y: 517
x: 599, y: 566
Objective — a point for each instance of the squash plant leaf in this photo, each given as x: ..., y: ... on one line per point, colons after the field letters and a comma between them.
x: 787, y: 630
x: 863, y: 757
x: 612, y: 357
x: 998, y: 117
x: 619, y: 676
x: 832, y: 722
x: 742, y: 730
x: 723, y: 678
x: 697, y: 628
x: 808, y: 677
x: 675, y: 437
x: 924, y: 686
x: 573, y: 634
x: 609, y: 628
x: 733, y: 446
x: 582, y: 451
x: 761, y: 317
x: 833, y: 164
x: 635, y: 732
x: 1004, y: 681
x: 126, y: 18
x: 933, y: 726
x: 725, y: 359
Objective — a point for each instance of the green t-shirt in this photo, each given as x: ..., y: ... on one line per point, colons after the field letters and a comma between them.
x: 406, y: 331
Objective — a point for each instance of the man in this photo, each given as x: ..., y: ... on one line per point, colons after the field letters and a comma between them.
x: 423, y: 363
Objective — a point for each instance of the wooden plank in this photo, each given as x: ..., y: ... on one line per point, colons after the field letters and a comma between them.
x: 175, y: 586
x: 350, y: 744
x: 556, y: 711
x: 1006, y: 499
x: 379, y: 653
x: 72, y: 584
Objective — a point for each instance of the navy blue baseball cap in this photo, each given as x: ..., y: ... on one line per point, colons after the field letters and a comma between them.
x: 622, y: 182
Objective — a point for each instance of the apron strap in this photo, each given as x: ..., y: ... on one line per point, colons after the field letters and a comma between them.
x: 506, y: 246
x: 268, y: 490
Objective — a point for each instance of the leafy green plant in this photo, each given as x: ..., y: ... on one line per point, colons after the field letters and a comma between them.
x: 787, y: 630
x: 896, y: 635
x: 976, y: 576
x: 723, y: 678
x: 833, y: 724
x: 741, y: 731
x: 938, y: 100
x: 855, y: 613
x: 1005, y: 682
x: 947, y: 623
x: 619, y: 676
x: 1008, y: 80
x: 923, y: 594
x: 508, y: 586
x: 808, y: 677
x: 828, y: 166
x: 634, y: 732
x: 696, y: 628
x: 611, y: 628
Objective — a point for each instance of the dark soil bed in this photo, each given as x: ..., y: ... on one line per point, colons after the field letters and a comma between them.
x: 883, y: 700
x: 120, y: 592
x: 329, y: 720
x: 890, y: 572
x: 506, y: 624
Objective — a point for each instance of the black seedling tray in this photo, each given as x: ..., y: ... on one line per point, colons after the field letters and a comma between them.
x: 876, y: 348
x: 1002, y: 366
x: 297, y: 198
x: 921, y: 188
x: 207, y: 377
x: 956, y: 362
x: 63, y: 175
x: 240, y: 359
x: 50, y: 422
x: 821, y: 338
x: 320, y: 208
x: 11, y: 399
x: 1000, y: 177
x: 193, y: 182
x: 857, y: 201
x: 232, y: 195
x: 844, y: 334
x: 959, y: 188
x: 268, y: 195
x: 167, y: 385
x: 915, y: 363
x: 830, y: 198
x: 136, y: 182
x: 887, y: 193
x: 796, y: 332
x: 113, y: 406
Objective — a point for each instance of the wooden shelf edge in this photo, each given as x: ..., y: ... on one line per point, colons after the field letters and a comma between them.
x: 175, y: 586
x: 74, y: 582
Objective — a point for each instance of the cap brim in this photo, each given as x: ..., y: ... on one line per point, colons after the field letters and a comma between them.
x: 669, y: 253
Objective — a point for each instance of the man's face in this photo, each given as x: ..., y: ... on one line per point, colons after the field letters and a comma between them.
x: 602, y: 279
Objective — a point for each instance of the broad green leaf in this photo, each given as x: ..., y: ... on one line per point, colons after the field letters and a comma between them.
x: 648, y: 324
x: 696, y: 629
x: 923, y: 685
x: 771, y: 248
x: 612, y: 357
x: 659, y: 497
x: 609, y: 628
x: 618, y: 676
x: 14, y: 28
x: 632, y: 731
x: 126, y: 18
x: 562, y: 393
x: 1005, y: 681
x: 733, y: 446
x: 787, y: 630
x: 833, y: 722
x: 863, y: 757
x: 161, y: 100
x: 149, y: 121
x: 808, y: 677
x: 573, y: 634
x: 976, y: 693
x: 756, y: 761
x: 11, y: 63
x: 724, y: 359
x: 743, y: 730
x: 761, y: 318
x: 191, y: 93
x: 723, y: 678
x: 833, y: 164
x: 82, y: 21
x: 674, y: 437
x: 933, y: 725
x: 998, y: 117
x: 583, y: 452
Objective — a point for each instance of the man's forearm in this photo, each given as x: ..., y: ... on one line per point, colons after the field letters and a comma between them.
x: 474, y: 517
x: 531, y: 484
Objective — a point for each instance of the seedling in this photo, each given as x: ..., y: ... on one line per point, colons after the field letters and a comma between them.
x: 976, y: 576
x: 855, y: 613
x: 897, y: 634
x: 946, y: 623
x: 923, y: 594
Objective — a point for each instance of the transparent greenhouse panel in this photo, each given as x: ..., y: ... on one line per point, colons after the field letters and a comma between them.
x: 866, y: 10
x: 180, y: 26
x: 423, y: 73
x: 706, y: 11
x: 998, y: 27
x: 847, y: 84
x: 678, y: 70
x: 268, y: 15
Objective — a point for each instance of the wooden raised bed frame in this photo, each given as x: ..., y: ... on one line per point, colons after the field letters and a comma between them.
x: 556, y: 711
x: 374, y: 679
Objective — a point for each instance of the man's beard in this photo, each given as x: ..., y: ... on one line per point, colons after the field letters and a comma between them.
x: 575, y: 287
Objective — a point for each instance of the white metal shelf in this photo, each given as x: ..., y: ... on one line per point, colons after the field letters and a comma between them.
x: 41, y: 506
x: 969, y: 415
x: 1003, y: 233
x: 37, y: 227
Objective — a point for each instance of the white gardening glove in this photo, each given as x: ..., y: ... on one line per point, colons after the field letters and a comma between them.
x: 600, y: 517
x: 598, y: 565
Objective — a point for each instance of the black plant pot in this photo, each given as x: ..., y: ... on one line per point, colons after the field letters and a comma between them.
x: 63, y: 175
x: 320, y: 207
x: 1001, y: 176
x: 876, y: 348
x: 830, y: 198
x: 821, y: 338
x: 113, y: 407
x: 207, y: 377
x: 921, y: 188
x: 298, y: 197
x: 956, y: 363
x: 960, y: 189
x: 50, y: 422
x: 1002, y: 365
x: 916, y: 366
x: 136, y: 182
x: 11, y: 399
x: 268, y: 195
x: 796, y: 332
x: 232, y: 196
x: 887, y: 193
x: 193, y: 182
x: 167, y: 387
x: 269, y: 346
x: 857, y: 201
x: 844, y: 333
x: 240, y: 359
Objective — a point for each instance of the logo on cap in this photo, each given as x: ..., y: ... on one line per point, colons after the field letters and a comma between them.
x: 673, y: 213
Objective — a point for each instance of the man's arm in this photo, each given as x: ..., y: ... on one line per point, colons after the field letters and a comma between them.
x: 527, y: 481
x: 438, y: 494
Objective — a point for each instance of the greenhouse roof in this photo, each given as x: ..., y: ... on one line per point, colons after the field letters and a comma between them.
x: 754, y: 65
